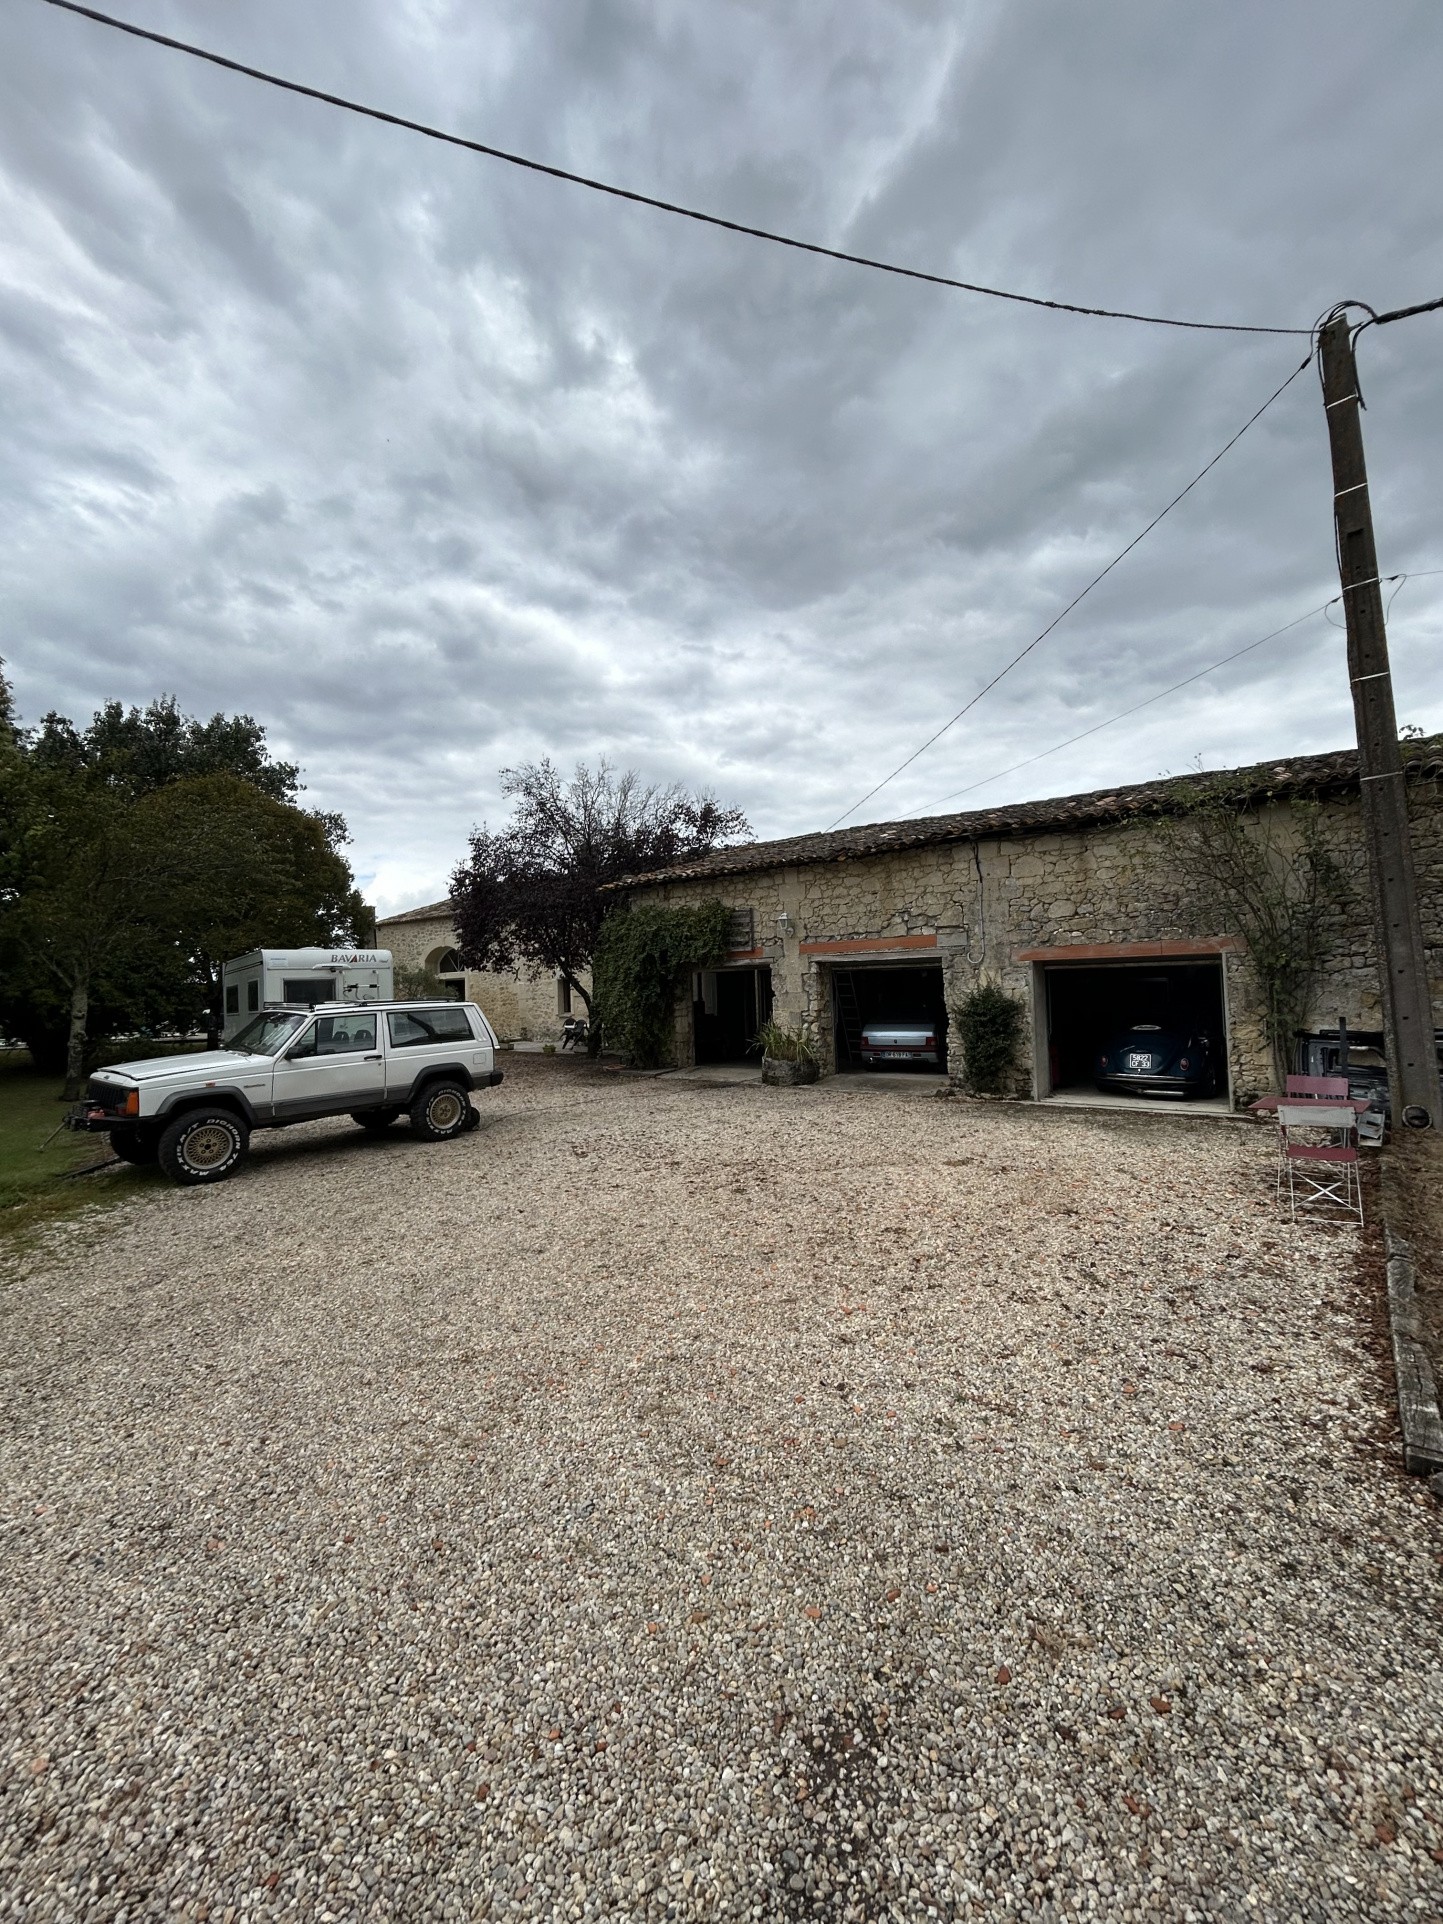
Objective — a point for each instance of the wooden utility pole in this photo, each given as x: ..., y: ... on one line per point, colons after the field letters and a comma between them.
x: 1407, y: 1005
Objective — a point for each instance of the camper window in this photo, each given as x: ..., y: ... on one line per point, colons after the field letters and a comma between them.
x: 253, y: 996
x: 303, y: 988
x: 232, y: 998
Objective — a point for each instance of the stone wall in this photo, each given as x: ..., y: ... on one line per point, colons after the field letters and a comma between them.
x: 985, y: 902
x: 518, y: 1008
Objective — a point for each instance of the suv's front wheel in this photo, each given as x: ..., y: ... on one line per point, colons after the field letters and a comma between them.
x: 441, y: 1112
x: 205, y: 1145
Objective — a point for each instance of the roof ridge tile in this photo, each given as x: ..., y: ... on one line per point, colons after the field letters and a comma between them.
x: 1335, y: 770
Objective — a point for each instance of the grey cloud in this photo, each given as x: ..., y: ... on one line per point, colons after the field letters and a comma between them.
x: 437, y: 467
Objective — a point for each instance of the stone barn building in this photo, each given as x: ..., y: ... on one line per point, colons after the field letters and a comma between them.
x: 1071, y: 905
x: 518, y: 1007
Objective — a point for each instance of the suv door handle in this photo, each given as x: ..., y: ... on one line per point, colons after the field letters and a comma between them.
x: 370, y: 1058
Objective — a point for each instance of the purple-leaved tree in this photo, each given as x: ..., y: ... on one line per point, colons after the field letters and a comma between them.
x: 528, y: 897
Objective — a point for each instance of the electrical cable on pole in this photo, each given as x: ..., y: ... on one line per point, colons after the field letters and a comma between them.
x: 985, y: 781
x: 1411, y: 1047
x: 649, y: 200
x: 1081, y: 594
x: 1162, y: 694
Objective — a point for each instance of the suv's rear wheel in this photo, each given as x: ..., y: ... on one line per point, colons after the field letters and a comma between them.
x: 205, y: 1145
x: 135, y: 1145
x: 441, y: 1111
x: 375, y: 1122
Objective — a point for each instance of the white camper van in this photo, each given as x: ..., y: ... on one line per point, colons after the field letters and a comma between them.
x: 271, y: 978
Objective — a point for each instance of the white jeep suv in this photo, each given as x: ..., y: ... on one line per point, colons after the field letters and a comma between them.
x: 193, y: 1114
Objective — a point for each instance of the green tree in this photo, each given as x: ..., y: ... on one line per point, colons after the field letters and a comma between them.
x: 530, y: 897
x: 71, y: 922
x: 235, y: 869
x: 138, y: 750
x: 135, y: 856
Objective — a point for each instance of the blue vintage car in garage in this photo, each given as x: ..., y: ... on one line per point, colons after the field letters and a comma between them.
x: 1151, y: 1060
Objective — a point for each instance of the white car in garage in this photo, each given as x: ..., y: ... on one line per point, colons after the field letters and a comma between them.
x: 902, y: 1039
x: 194, y: 1114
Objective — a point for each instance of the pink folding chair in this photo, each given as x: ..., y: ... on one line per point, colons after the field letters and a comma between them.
x: 1319, y: 1174
x: 1318, y: 1087
x: 1313, y: 1089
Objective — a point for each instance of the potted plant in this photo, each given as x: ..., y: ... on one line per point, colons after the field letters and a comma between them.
x: 788, y: 1055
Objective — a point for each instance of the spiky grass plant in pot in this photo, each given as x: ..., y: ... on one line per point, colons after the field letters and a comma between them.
x: 788, y: 1055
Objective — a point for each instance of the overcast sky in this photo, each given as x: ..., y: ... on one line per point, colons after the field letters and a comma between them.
x: 436, y: 466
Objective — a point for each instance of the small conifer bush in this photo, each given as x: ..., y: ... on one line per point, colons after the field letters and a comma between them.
x: 989, y: 1028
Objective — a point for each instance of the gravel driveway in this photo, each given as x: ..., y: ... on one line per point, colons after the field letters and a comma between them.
x: 686, y: 1501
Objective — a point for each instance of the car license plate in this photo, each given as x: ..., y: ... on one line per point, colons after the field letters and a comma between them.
x: 1139, y: 1061
x: 892, y: 1055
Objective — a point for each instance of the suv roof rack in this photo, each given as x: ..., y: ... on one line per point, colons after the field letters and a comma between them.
x: 368, y: 1002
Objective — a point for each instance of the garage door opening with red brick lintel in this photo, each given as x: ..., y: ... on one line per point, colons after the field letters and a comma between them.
x: 1199, y: 946
x: 870, y: 945
x: 1087, y: 996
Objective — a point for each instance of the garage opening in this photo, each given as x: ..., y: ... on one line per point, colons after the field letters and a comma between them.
x: 729, y: 1006
x: 910, y: 996
x: 1161, y: 1026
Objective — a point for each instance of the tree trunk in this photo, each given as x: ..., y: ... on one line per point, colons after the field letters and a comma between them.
x: 75, y: 1047
x: 215, y: 1014
x: 593, y: 1032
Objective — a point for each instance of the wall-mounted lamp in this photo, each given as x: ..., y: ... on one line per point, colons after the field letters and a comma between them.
x: 785, y: 925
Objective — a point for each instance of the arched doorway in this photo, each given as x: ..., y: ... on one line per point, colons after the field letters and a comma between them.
x: 446, y: 964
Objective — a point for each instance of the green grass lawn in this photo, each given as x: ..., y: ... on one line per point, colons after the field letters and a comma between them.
x: 34, y: 1161
x: 29, y: 1110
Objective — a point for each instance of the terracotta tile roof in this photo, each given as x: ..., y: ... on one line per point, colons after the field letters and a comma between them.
x: 1300, y: 775
x: 432, y: 912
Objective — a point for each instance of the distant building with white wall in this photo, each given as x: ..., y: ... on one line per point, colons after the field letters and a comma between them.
x: 518, y: 1008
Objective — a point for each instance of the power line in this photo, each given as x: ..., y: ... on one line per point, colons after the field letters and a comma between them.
x: 1162, y: 695
x: 1057, y: 620
x: 1413, y: 574
x: 1406, y: 313
x: 651, y: 200
x: 1416, y: 574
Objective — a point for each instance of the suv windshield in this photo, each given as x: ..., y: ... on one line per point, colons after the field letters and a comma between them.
x: 266, y: 1035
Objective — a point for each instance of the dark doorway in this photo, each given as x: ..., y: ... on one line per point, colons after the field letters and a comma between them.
x: 871, y: 993
x: 1087, y: 1006
x: 729, y: 1006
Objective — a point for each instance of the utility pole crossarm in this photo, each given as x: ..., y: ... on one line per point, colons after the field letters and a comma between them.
x: 1402, y: 968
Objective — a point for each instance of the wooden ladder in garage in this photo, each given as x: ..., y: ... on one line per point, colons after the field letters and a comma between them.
x: 849, y: 1014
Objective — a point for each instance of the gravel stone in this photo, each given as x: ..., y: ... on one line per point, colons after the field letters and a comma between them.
x: 685, y: 1501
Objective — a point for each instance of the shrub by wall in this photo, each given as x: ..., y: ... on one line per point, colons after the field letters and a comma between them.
x: 989, y: 1025
x: 643, y: 956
